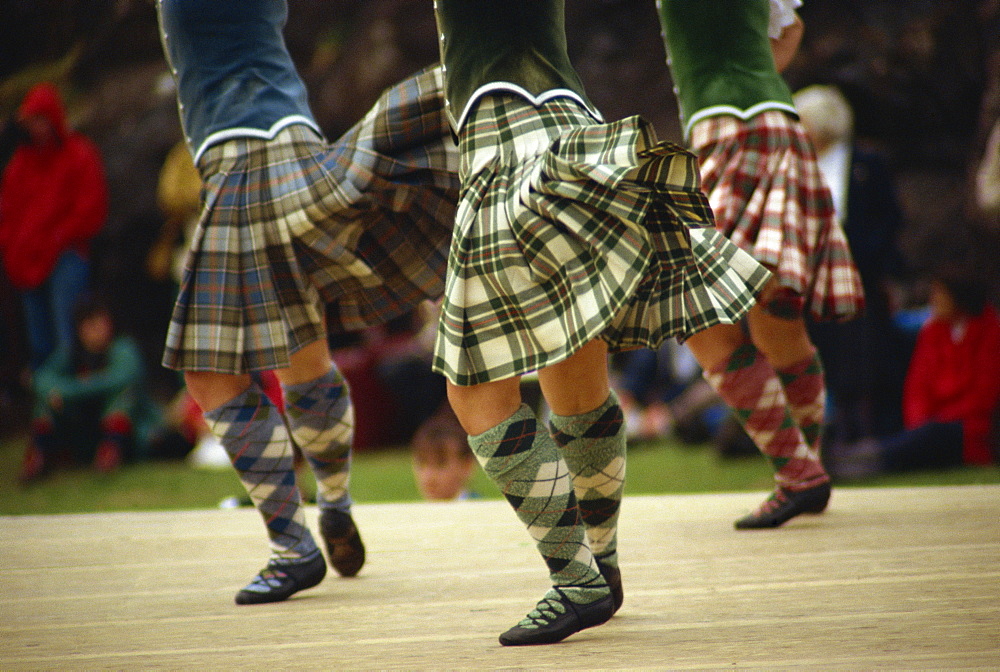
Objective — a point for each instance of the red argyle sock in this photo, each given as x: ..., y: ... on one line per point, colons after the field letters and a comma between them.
x: 805, y: 387
x: 747, y: 382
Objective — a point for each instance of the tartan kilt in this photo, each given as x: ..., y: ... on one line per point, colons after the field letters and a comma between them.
x: 769, y: 198
x: 569, y: 230
x: 298, y: 236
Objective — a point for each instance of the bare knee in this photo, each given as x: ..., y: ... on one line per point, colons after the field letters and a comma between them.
x: 307, y: 364
x: 211, y: 389
x: 715, y: 344
x: 783, y: 341
x: 484, y: 406
x: 578, y: 384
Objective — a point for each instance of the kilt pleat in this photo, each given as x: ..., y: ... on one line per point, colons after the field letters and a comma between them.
x: 298, y: 236
x: 770, y: 199
x: 569, y: 230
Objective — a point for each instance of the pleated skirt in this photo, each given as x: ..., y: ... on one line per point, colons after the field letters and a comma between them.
x: 769, y: 198
x: 569, y: 230
x: 298, y: 236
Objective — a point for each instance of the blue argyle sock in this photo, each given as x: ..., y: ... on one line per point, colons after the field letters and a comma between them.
x: 253, y: 433
x: 321, y: 420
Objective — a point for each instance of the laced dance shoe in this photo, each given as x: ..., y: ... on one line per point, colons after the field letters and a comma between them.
x: 556, y: 617
x: 784, y: 504
x: 281, y: 579
x: 343, y: 542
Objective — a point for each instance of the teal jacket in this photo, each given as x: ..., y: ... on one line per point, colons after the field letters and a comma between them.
x: 119, y: 385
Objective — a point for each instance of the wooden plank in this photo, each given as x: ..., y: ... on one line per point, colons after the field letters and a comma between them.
x: 887, y: 578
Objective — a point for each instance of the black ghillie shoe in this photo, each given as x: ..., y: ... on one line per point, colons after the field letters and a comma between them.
x: 783, y: 505
x: 556, y: 617
x: 282, y: 579
x: 343, y: 543
x: 613, y: 576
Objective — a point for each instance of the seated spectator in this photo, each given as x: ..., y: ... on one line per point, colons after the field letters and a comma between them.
x: 443, y: 462
x: 388, y: 369
x: 951, y: 394
x: 865, y: 358
x: 663, y: 393
x: 91, y: 404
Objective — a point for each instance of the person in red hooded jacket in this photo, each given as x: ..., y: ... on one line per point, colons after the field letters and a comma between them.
x: 951, y: 396
x: 53, y: 201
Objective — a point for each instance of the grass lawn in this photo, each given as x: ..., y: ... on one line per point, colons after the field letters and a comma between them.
x: 385, y: 476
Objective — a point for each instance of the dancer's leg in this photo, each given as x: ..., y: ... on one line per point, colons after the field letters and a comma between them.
x: 787, y: 346
x: 748, y: 383
x: 522, y: 459
x: 321, y: 421
x: 592, y: 441
x: 252, y: 431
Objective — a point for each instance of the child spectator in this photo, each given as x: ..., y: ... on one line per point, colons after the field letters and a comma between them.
x: 443, y: 462
x: 91, y: 404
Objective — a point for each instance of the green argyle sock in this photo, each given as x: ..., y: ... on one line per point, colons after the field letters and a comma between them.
x: 593, y: 445
x: 526, y: 466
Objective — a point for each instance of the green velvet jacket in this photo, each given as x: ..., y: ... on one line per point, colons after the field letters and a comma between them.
x: 511, y: 45
x: 720, y: 58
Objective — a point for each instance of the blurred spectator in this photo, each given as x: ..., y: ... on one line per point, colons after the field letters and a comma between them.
x: 987, y: 189
x: 443, y: 462
x: 952, y: 390
x: 13, y: 343
x: 178, y: 195
x: 662, y: 392
x: 388, y: 368
x: 53, y: 201
x: 865, y: 359
x: 91, y: 404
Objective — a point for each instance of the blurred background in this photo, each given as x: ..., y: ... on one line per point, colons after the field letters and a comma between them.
x: 922, y: 76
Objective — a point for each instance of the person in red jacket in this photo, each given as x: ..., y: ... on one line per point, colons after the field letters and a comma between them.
x: 53, y: 201
x: 951, y: 393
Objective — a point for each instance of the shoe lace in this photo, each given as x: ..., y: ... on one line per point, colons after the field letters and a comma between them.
x: 772, y: 503
x: 547, y: 610
x: 268, y: 578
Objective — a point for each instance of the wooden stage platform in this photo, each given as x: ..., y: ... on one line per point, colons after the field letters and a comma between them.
x: 886, y: 579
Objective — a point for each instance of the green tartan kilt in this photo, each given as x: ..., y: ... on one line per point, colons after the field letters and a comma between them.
x: 569, y: 230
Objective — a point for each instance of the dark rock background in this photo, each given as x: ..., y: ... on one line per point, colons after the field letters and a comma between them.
x: 921, y: 74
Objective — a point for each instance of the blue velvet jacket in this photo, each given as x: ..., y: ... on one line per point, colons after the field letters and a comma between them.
x: 234, y: 75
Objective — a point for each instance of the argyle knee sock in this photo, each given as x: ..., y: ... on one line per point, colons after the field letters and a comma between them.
x: 321, y: 420
x: 805, y: 388
x: 593, y: 445
x: 252, y: 431
x: 747, y: 382
x: 526, y: 466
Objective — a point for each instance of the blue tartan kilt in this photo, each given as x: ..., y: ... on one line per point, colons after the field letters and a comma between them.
x: 298, y: 236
